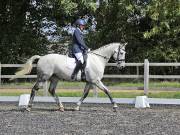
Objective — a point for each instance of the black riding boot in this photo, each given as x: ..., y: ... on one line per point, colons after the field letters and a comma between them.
x: 76, y: 70
x: 83, y: 75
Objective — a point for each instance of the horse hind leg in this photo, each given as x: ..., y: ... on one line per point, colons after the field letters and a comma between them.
x: 52, y: 88
x: 32, y: 95
x: 36, y: 87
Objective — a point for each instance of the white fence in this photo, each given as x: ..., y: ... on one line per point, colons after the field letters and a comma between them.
x: 146, y: 75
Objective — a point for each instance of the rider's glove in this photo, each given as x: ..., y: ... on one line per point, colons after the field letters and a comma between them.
x: 89, y: 50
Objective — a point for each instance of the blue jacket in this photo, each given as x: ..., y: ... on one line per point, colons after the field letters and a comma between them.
x: 78, y: 42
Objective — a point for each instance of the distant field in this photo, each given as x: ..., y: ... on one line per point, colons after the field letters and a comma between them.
x: 72, y: 89
x: 78, y: 93
x: 65, y: 84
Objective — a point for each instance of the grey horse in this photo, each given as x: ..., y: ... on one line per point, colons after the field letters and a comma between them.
x: 53, y: 67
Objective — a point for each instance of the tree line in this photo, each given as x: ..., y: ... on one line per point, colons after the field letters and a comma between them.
x: 150, y: 27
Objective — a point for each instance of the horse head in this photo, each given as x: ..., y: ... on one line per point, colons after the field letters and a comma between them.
x: 119, y: 55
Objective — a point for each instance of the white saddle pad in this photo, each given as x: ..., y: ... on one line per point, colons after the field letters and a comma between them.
x: 71, y: 63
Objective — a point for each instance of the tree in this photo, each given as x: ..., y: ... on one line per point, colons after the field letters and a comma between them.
x: 21, y: 22
x: 20, y: 36
x: 122, y: 21
x: 165, y: 30
x: 151, y: 28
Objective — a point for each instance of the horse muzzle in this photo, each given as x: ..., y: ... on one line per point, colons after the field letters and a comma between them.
x: 121, y: 64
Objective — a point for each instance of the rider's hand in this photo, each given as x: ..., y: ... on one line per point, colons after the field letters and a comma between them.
x: 89, y: 50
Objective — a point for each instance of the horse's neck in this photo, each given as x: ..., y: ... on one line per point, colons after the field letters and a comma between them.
x: 103, y: 54
x: 106, y: 52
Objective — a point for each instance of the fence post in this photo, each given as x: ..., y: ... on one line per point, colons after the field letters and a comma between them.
x: 146, y: 76
x: 137, y: 71
x: 0, y: 73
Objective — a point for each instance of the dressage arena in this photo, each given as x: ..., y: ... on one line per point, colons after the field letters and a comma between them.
x: 92, y: 119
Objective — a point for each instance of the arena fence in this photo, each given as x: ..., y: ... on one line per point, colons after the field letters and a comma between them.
x: 146, y: 76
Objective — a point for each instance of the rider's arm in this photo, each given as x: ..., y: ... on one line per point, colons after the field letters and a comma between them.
x: 79, y: 40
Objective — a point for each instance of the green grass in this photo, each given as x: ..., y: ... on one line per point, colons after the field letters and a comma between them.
x: 115, y: 94
x: 175, y: 94
x: 126, y: 94
x: 165, y: 84
x: 65, y: 84
x: 12, y: 94
x: 80, y: 85
x: 152, y: 84
x: 102, y: 94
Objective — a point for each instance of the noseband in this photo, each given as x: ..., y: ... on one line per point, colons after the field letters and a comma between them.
x: 118, y: 61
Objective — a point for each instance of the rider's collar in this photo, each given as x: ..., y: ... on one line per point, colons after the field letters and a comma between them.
x: 80, y: 30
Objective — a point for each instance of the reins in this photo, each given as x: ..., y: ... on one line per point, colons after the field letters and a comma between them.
x: 109, y: 58
x: 100, y: 55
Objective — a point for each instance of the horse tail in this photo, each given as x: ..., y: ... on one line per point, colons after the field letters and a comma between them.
x: 26, y: 69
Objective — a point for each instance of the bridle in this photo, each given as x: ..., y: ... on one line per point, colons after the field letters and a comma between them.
x: 118, y: 61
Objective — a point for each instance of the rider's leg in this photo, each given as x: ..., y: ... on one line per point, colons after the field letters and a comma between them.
x: 76, y: 70
x: 79, y: 64
x: 83, y: 76
x: 79, y: 57
x: 83, y: 66
x: 85, y: 59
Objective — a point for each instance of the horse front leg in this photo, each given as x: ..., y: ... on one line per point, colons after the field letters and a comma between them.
x: 85, y: 94
x: 101, y: 86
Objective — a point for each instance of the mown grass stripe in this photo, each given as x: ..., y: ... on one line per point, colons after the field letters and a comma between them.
x: 115, y: 94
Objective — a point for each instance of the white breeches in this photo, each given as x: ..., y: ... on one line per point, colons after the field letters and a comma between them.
x: 79, y: 57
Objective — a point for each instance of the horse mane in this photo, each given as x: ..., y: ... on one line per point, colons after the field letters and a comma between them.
x: 105, y: 46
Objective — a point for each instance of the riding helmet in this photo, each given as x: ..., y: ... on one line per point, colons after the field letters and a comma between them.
x: 80, y: 22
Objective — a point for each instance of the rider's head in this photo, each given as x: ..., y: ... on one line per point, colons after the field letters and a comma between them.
x: 80, y: 23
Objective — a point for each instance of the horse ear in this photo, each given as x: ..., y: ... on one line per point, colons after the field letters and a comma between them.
x: 124, y: 44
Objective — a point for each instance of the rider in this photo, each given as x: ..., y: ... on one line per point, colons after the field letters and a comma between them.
x: 79, y: 48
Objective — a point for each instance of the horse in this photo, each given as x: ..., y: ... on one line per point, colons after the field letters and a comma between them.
x: 55, y: 67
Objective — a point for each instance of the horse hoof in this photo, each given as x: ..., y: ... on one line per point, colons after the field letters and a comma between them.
x: 77, y: 108
x: 28, y: 109
x: 115, y: 105
x: 115, y: 108
x: 61, y: 109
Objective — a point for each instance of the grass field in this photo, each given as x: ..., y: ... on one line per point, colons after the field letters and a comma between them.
x: 75, y: 89
x: 78, y: 93
x: 65, y: 84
